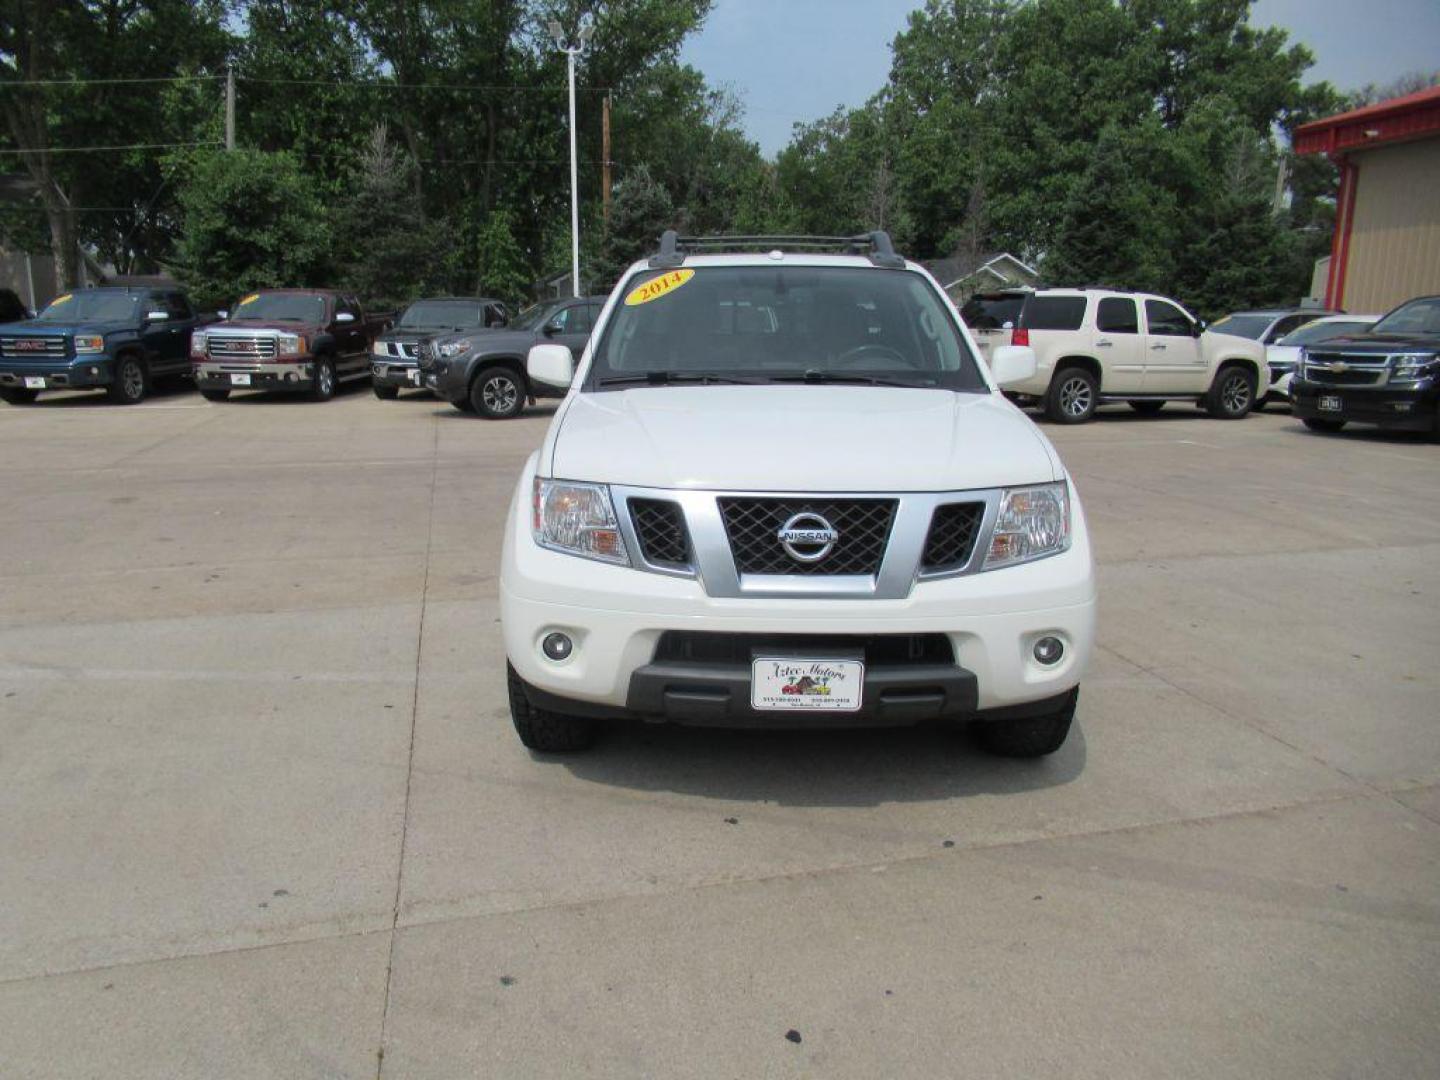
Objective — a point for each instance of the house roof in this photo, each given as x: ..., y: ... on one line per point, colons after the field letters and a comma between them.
x: 953, y: 271
x: 1413, y: 116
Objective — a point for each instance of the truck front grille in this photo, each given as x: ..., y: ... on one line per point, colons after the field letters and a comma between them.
x: 403, y: 350
x: 752, y: 526
x: 241, y: 348
x: 1345, y: 369
x: 33, y: 348
x: 660, y: 528
x: 953, y: 529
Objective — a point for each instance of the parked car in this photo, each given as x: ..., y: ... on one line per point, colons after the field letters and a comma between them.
x: 1285, y: 353
x: 116, y: 339
x: 1097, y: 346
x: 485, y: 372
x: 294, y: 340
x: 1388, y: 375
x: 393, y: 359
x: 1267, y: 327
x: 792, y: 471
x: 11, y: 307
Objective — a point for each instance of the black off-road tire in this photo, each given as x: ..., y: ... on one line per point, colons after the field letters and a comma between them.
x: 1317, y: 423
x: 386, y: 393
x: 131, y: 381
x: 1232, y: 395
x: 1073, y: 395
x: 1147, y: 408
x: 539, y: 729
x: 18, y: 395
x: 322, y: 384
x: 215, y: 395
x: 1031, y: 738
x: 497, y: 393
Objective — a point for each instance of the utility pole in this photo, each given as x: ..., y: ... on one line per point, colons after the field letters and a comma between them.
x: 229, y: 108
x: 605, y: 160
x: 572, y: 49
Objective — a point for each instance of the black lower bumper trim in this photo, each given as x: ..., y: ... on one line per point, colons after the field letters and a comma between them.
x: 1397, y: 410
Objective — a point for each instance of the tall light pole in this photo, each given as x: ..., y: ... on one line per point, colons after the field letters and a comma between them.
x: 572, y: 49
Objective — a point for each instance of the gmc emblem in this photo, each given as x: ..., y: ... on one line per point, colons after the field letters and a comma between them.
x: 30, y: 345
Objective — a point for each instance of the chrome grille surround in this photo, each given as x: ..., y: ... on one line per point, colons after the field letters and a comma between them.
x: 240, y: 348
x: 53, y: 347
x: 1326, y: 367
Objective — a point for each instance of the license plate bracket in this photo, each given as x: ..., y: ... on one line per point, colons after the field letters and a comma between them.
x: 239, y: 380
x: 1331, y: 402
x: 780, y: 683
x: 34, y: 382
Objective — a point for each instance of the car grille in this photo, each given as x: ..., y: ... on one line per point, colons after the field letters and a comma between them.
x: 241, y: 348
x: 660, y: 529
x: 953, y: 529
x: 751, y: 524
x: 404, y: 350
x: 877, y: 650
x: 23, y: 348
x: 1359, y: 370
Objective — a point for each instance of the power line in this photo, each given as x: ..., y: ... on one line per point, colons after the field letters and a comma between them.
x: 377, y: 84
x: 95, y: 149
x: 106, y: 82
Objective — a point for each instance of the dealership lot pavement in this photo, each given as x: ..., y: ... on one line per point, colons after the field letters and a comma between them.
x: 262, y: 813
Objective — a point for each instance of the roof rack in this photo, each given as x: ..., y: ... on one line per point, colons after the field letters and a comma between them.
x: 874, y: 245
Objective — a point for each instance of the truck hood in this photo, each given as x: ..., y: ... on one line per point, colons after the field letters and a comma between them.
x: 1383, y: 344
x: 242, y: 326
x: 798, y: 438
x: 36, y: 328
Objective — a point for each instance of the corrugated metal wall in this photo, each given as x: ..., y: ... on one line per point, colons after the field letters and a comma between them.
x: 1395, y: 243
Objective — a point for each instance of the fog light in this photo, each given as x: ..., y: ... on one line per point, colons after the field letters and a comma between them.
x: 557, y: 646
x: 1048, y: 650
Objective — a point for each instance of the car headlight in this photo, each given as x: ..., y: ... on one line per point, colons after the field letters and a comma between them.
x: 197, y: 344
x: 379, y: 353
x: 1411, y: 367
x: 455, y: 348
x: 577, y: 519
x: 1033, y: 522
x: 290, y: 344
x: 89, y: 343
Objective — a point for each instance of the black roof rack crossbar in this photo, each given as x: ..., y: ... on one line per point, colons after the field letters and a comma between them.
x: 875, y: 245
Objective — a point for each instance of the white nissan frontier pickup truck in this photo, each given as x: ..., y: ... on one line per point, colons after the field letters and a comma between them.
x: 783, y: 491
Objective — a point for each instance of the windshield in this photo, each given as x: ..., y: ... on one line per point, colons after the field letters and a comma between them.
x: 101, y: 305
x: 1416, y: 317
x: 532, y: 317
x: 461, y: 314
x: 764, y: 323
x: 281, y: 307
x: 1315, y: 333
x: 992, y: 311
x: 1246, y: 326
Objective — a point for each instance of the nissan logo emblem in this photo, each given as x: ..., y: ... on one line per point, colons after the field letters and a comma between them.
x: 807, y: 537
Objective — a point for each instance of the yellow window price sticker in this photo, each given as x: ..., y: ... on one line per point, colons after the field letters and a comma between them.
x: 248, y: 299
x: 658, y: 287
x: 63, y: 298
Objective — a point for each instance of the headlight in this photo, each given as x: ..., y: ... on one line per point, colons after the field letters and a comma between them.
x: 577, y: 519
x: 197, y: 344
x: 290, y: 344
x: 379, y: 353
x: 1411, y: 367
x: 89, y: 344
x: 1033, y: 522
x: 455, y: 348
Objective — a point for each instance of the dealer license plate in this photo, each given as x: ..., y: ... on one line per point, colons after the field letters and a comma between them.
x: 239, y: 380
x: 1331, y: 402
x: 34, y: 382
x: 786, y: 683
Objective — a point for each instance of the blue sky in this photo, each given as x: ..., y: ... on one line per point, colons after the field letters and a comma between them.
x: 796, y: 60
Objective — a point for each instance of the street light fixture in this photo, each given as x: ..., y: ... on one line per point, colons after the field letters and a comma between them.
x: 572, y: 49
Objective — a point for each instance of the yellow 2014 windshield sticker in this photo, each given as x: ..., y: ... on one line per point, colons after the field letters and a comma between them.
x: 63, y: 298
x: 658, y: 287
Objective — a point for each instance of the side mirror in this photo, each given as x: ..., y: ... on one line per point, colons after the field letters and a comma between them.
x: 344, y: 317
x: 223, y: 314
x: 1199, y: 325
x: 551, y: 328
x: 552, y: 365
x: 157, y: 316
x: 1011, y: 364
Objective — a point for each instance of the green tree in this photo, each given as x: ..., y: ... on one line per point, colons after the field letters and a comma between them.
x: 503, y: 270
x: 251, y: 220
x: 640, y: 212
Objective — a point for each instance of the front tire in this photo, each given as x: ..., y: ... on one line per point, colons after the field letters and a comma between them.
x: 322, y: 387
x: 497, y: 393
x: 1030, y: 738
x: 12, y: 395
x: 1073, y: 395
x: 386, y: 393
x: 1316, y: 423
x: 541, y: 730
x: 1233, y: 394
x: 131, y: 381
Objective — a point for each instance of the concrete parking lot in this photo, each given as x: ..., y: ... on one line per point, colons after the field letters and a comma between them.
x: 262, y: 813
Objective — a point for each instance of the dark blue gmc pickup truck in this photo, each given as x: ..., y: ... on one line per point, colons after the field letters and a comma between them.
x: 115, y: 339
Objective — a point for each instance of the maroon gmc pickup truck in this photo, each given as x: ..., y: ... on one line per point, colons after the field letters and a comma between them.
x: 299, y: 340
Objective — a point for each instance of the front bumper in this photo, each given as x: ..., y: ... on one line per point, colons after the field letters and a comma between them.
x: 397, y: 374
x: 447, y: 382
x: 1411, y: 408
x: 83, y: 373
x: 216, y: 375
x: 616, y: 617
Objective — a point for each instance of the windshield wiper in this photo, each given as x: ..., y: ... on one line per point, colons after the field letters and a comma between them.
x: 666, y: 378
x: 816, y: 376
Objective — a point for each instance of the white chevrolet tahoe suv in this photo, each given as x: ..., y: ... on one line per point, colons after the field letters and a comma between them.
x: 783, y: 491
x: 1098, y: 346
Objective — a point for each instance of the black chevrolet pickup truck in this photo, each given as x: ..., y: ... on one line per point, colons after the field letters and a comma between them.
x: 1389, y: 375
